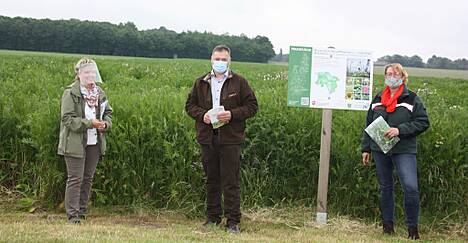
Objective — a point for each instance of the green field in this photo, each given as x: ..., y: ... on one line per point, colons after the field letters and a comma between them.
x: 430, y: 72
x: 153, y: 160
x: 420, y: 72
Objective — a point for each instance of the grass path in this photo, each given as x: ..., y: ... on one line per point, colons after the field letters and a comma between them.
x: 265, y: 225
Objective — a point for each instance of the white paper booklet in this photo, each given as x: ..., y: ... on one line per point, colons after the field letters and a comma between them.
x: 103, y: 108
x: 213, y: 113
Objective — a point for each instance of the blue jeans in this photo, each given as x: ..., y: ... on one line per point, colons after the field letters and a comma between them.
x: 406, y: 167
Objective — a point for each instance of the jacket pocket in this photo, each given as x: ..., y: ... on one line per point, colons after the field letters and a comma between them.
x: 74, y: 144
x: 204, y: 132
x: 232, y: 133
x: 238, y: 126
x: 229, y: 103
x: 63, y: 140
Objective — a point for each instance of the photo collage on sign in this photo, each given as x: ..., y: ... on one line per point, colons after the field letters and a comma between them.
x: 358, y: 79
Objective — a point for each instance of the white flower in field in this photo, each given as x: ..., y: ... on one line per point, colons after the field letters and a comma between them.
x: 440, y: 141
x: 426, y: 90
x: 455, y: 107
x: 274, y: 76
x: 266, y: 76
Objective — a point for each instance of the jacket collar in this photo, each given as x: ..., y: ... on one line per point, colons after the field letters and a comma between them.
x: 405, y: 92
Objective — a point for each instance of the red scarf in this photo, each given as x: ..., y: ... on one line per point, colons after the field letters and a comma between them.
x: 391, y: 101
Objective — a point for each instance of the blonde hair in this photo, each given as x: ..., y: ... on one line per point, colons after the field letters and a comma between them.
x: 83, y: 61
x: 399, y: 69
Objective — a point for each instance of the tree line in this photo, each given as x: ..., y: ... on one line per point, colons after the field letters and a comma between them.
x: 124, y: 39
x: 432, y: 62
x: 406, y: 61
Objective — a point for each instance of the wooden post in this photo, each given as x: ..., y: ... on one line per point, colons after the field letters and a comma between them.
x: 324, y: 166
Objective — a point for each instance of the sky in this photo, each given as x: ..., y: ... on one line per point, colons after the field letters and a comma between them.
x: 405, y: 27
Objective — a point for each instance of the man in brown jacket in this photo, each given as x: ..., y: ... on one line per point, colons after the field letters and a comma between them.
x: 221, y: 147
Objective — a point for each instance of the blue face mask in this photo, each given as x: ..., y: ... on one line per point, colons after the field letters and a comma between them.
x: 220, y: 66
x: 393, y: 83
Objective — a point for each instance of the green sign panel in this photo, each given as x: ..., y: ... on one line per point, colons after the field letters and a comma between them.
x: 299, y: 75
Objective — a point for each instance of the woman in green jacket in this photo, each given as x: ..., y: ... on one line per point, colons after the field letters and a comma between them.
x: 86, y: 116
x: 406, y: 115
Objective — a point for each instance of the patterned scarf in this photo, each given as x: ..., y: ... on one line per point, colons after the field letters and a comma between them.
x: 90, y: 94
x: 391, y: 101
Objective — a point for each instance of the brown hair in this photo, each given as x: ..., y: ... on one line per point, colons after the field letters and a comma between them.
x: 220, y: 48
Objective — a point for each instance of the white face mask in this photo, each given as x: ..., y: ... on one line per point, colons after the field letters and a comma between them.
x: 220, y: 66
x: 393, y: 83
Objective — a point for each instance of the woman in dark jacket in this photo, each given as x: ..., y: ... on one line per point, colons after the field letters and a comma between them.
x: 406, y: 115
x: 85, y: 117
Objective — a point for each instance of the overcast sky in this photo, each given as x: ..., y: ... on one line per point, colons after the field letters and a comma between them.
x: 407, y: 27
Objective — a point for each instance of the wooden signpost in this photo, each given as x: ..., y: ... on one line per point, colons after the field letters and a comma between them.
x: 325, y: 142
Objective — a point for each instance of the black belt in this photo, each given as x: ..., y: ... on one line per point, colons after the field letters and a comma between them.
x: 215, y: 131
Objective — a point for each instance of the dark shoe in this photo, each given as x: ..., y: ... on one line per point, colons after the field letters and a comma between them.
x: 74, y: 220
x: 211, y: 223
x: 233, y: 229
x: 388, y: 228
x: 413, y: 233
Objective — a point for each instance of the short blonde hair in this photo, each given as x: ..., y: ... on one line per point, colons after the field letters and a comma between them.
x: 399, y: 69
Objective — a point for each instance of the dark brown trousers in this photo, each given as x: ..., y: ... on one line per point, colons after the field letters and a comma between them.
x: 222, y: 169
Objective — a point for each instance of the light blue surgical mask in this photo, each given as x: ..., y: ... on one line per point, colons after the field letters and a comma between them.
x: 220, y: 66
x: 393, y: 82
